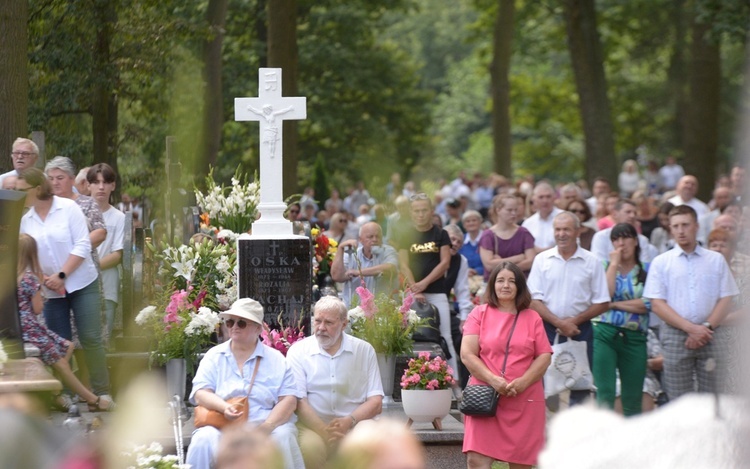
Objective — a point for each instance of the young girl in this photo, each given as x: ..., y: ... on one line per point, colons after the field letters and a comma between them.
x: 55, y: 350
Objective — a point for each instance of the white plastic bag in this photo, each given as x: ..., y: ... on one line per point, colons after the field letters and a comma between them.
x: 569, y: 369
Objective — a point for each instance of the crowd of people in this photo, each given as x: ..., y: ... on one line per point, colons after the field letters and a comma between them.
x: 648, y: 276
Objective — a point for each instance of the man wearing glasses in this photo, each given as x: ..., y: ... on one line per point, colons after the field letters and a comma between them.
x: 24, y: 155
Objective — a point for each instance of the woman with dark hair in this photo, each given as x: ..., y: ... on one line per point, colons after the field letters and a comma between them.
x: 516, y: 433
x: 620, y: 334
x: 581, y: 209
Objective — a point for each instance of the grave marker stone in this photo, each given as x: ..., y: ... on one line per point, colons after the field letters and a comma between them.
x: 11, y: 210
x: 275, y: 265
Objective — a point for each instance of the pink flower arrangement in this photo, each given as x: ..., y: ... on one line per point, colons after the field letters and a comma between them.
x: 425, y: 374
x: 283, y: 337
x: 367, y: 301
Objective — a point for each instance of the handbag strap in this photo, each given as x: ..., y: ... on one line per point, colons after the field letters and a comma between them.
x: 255, y: 373
x: 507, y: 346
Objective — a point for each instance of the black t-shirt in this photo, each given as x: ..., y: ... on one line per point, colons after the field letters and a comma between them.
x: 424, y: 253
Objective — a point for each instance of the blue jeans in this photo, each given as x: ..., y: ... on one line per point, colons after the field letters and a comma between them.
x: 109, y: 315
x: 85, y: 304
x: 586, y: 335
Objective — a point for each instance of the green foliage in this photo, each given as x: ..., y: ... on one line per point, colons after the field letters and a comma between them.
x: 382, y: 325
x: 320, y: 180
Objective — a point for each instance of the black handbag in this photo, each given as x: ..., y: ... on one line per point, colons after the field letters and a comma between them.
x: 480, y: 400
x: 429, y: 332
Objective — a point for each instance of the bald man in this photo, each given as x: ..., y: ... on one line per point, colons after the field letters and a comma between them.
x: 687, y: 187
x: 378, y: 263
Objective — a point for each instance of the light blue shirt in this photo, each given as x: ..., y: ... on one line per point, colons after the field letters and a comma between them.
x: 218, y: 371
x: 692, y: 283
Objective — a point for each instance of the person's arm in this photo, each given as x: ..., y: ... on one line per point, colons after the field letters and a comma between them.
x: 208, y: 399
x: 477, y: 368
x: 720, y: 311
x: 54, y: 282
x: 37, y: 302
x: 403, y: 263
x: 110, y: 260
x: 280, y: 413
x: 338, y: 269
x: 388, y: 263
x: 591, y: 312
x: 532, y: 375
x: 565, y: 326
x: 437, y: 272
x: 97, y: 237
x: 489, y: 258
x: 697, y: 334
x: 635, y: 306
x: 527, y: 260
x: 340, y: 426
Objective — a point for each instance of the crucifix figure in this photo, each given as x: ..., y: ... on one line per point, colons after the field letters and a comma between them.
x: 271, y: 110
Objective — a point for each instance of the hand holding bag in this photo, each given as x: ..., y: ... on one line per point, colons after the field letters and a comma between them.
x: 480, y: 400
x: 204, y: 417
x: 569, y: 369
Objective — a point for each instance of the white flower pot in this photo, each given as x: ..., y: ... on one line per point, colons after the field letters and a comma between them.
x: 426, y: 406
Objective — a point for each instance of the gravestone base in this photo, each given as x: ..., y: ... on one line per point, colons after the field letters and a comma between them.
x: 277, y: 272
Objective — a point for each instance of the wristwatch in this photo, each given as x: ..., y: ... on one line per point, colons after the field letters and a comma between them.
x: 708, y: 325
x: 61, y: 275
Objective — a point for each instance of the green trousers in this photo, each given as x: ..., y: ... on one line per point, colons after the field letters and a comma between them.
x: 620, y: 349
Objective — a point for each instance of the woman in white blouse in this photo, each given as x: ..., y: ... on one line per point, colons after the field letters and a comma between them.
x: 70, y: 281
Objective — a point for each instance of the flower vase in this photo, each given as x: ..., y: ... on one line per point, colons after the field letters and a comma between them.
x: 176, y: 377
x: 387, y: 367
x: 426, y: 405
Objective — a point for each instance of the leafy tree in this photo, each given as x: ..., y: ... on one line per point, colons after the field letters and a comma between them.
x: 13, y: 76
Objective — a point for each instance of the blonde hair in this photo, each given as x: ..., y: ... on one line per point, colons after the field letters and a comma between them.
x: 28, y: 259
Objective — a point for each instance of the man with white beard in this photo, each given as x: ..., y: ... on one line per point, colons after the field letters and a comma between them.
x: 338, y: 377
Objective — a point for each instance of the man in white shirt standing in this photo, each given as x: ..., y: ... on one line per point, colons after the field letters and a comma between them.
x: 686, y: 190
x: 338, y: 378
x: 102, y: 181
x: 625, y: 212
x: 691, y: 290
x: 540, y: 223
x: 568, y: 288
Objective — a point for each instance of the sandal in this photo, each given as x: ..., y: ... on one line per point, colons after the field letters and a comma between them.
x: 96, y: 406
x: 61, y: 403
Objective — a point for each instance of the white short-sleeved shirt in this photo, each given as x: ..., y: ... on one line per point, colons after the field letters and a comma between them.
x: 699, y: 207
x: 541, y: 228
x: 335, y: 385
x: 570, y: 287
x: 692, y: 283
x: 12, y: 172
x: 115, y: 221
x: 601, y: 246
x: 218, y: 372
x: 64, y: 232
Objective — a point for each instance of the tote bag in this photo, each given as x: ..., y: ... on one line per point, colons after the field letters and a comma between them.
x: 569, y: 369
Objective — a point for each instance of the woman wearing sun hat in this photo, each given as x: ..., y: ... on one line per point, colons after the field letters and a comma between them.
x: 227, y: 370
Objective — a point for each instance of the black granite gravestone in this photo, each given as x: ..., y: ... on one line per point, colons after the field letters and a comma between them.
x: 11, y: 210
x: 277, y: 273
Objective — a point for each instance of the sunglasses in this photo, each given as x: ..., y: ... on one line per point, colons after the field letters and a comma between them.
x: 418, y: 196
x: 240, y: 323
x: 577, y: 211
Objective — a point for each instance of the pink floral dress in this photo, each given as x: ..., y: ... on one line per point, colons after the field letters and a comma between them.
x: 52, y: 346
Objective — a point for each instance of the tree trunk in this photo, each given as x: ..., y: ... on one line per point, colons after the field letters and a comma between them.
x: 702, y: 119
x: 500, y: 72
x: 104, y: 102
x: 591, y: 83
x: 213, y: 116
x: 14, y: 92
x: 676, y: 74
x: 282, y: 53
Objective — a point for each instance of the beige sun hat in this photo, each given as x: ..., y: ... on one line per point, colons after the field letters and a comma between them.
x: 246, y: 308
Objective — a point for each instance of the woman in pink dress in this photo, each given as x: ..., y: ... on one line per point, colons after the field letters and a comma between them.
x: 516, y: 433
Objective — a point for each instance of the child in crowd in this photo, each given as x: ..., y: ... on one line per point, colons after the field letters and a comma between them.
x: 55, y: 350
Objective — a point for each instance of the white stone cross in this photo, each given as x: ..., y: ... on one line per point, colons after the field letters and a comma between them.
x: 271, y: 110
